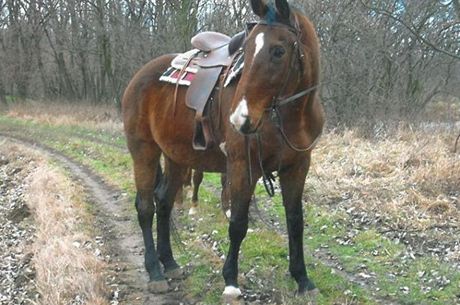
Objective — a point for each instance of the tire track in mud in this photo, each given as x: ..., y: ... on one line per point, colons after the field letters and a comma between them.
x: 116, y: 223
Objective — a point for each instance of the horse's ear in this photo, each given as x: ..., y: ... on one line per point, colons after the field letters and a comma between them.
x: 259, y: 7
x: 282, y: 6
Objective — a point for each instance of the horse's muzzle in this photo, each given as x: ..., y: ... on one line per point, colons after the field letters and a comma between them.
x: 240, y: 119
x: 246, y: 127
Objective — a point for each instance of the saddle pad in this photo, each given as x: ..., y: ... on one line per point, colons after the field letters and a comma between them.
x: 174, y: 76
x: 182, y: 70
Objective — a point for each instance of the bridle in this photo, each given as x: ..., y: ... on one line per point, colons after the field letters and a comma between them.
x: 278, y: 102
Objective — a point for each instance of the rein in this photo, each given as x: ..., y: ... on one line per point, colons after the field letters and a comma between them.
x: 277, y: 119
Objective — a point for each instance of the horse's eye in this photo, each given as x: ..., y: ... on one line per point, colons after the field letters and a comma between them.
x: 278, y: 52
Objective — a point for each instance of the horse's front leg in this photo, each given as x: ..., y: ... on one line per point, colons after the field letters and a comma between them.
x: 292, y: 180
x: 240, y: 193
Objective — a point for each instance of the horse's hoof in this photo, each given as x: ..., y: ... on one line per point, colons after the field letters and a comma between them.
x: 160, y: 286
x: 175, y: 274
x: 231, y: 296
x: 312, y: 293
x: 193, y: 211
x: 311, y: 296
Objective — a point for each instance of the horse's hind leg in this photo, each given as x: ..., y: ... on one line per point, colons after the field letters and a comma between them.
x: 225, y: 196
x: 164, y: 194
x: 179, y: 199
x: 197, y: 179
x: 147, y: 172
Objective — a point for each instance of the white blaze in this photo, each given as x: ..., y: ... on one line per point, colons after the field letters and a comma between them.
x: 239, y: 116
x: 259, y: 43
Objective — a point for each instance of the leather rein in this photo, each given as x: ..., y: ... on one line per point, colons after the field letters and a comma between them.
x: 274, y: 110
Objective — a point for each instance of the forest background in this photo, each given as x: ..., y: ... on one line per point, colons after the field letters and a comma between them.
x: 382, y: 60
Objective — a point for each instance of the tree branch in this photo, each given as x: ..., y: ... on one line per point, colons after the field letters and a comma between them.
x: 411, y: 29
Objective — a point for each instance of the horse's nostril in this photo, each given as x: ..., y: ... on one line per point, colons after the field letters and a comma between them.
x: 246, y: 127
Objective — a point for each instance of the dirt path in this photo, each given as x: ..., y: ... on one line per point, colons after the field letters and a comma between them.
x: 116, y: 225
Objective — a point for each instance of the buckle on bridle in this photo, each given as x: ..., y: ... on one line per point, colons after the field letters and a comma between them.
x: 275, y: 116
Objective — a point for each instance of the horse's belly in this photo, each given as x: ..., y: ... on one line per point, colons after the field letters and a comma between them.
x: 175, y: 142
x: 211, y: 160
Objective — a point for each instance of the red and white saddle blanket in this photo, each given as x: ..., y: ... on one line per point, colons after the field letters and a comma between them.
x: 173, y: 74
x: 183, y: 68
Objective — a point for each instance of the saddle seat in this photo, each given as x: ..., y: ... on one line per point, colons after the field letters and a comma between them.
x: 211, y: 49
x: 208, y: 41
x: 214, y: 47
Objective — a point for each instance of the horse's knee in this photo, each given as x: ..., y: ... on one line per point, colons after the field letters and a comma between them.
x: 238, y: 228
x: 295, y: 223
x: 145, y: 207
x: 164, y: 208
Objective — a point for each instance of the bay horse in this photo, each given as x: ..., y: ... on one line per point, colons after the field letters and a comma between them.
x: 268, y: 120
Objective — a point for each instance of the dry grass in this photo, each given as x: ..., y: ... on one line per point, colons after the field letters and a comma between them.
x: 67, y: 271
x: 410, y: 178
x: 102, y: 117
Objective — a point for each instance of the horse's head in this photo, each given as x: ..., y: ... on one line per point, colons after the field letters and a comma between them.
x: 272, y: 64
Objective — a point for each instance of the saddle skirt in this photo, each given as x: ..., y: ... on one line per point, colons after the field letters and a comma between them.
x: 200, y: 69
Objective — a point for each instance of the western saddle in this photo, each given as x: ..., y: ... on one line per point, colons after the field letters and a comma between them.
x: 214, y: 52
